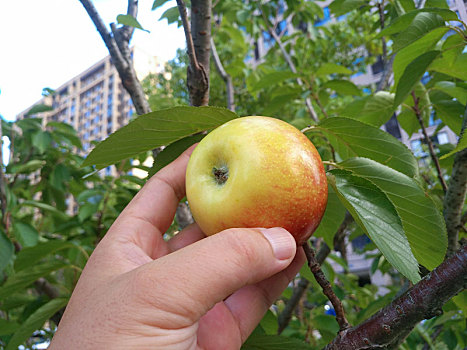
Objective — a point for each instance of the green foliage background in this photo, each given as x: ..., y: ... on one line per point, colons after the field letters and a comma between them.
x: 58, y: 207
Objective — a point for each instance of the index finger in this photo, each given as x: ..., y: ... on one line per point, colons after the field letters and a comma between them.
x: 156, y: 203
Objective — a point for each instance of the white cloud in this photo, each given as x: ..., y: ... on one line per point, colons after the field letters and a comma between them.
x: 47, y: 42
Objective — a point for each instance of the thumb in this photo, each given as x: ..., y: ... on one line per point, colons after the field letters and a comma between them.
x: 206, y: 272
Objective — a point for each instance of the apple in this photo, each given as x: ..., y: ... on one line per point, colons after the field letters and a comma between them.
x: 257, y: 172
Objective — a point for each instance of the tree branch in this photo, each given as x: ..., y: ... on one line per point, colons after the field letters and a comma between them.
x: 190, y: 46
x: 198, y: 46
x: 327, y: 289
x: 286, y: 315
x: 292, y: 67
x: 225, y: 76
x: 455, y: 195
x: 423, y: 301
x: 117, y: 43
x: 431, y: 149
x: 105, y: 35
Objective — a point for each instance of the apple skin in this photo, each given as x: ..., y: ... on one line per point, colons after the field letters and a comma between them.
x: 275, y: 178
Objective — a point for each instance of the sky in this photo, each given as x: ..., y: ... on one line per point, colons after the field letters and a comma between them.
x: 44, y: 43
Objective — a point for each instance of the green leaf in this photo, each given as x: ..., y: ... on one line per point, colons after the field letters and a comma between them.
x: 156, y: 129
x: 437, y: 3
x: 272, y: 79
x: 376, y: 215
x: 375, y: 110
x: 422, y: 222
x: 7, y: 251
x: 352, y: 138
x: 158, y: 3
x: 172, y: 151
x: 343, y: 87
x: 27, y: 168
x: 129, y: 20
x: 421, y: 24
x: 26, y: 234
x: 412, y: 75
x: 60, y: 176
x: 42, y: 140
x: 407, y: 54
x: 450, y: 112
x: 24, y: 278
x: 461, y: 145
x: 332, y: 219
x: 341, y: 7
x: 269, y: 323
x: 45, y: 207
x: 403, y: 22
x: 35, y: 321
x: 457, y: 68
x: 172, y: 15
x: 273, y: 342
x: 7, y: 327
x: 86, y: 211
x: 39, y: 109
x: 450, y: 88
x: 326, y: 323
x: 408, y: 121
x: 332, y: 68
x: 29, y: 257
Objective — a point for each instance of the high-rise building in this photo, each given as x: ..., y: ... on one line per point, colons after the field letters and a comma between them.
x: 95, y: 102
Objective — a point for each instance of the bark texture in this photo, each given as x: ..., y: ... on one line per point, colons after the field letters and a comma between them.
x: 198, y: 37
x: 423, y: 301
x: 455, y: 195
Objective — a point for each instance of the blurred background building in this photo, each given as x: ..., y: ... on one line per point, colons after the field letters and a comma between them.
x: 95, y: 102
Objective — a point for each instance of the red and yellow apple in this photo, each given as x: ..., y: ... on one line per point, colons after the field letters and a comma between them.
x: 257, y: 172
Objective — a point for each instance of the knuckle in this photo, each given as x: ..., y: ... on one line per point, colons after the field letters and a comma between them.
x: 245, y: 244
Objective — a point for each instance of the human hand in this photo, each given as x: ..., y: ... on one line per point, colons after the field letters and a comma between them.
x: 139, y: 292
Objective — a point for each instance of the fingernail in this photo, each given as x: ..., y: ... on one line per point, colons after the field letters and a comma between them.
x: 282, y: 243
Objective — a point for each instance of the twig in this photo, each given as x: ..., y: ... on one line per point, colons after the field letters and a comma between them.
x: 117, y: 42
x: 189, y: 39
x: 383, y: 40
x: 286, y: 315
x: 423, y: 301
x: 455, y: 195
x: 327, y: 289
x: 418, y: 114
x: 225, y: 76
x: 433, y: 337
x: 292, y: 67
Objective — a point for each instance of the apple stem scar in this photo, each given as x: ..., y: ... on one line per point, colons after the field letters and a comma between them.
x: 221, y: 174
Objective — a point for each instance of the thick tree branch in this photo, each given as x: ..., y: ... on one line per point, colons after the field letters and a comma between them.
x: 117, y: 42
x: 225, y: 76
x: 455, y: 195
x: 423, y: 301
x: 431, y: 149
x: 326, y: 286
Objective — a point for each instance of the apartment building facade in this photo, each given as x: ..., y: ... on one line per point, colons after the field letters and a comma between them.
x: 95, y: 102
